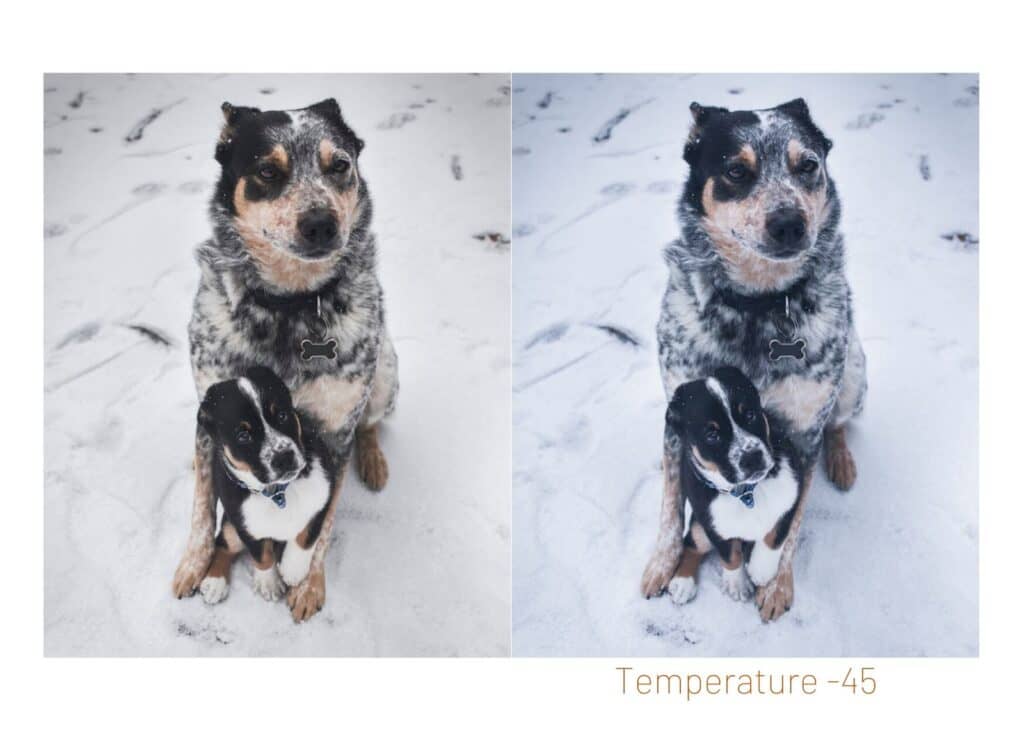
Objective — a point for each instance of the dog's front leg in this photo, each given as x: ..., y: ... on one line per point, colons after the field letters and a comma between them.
x: 307, y: 597
x: 776, y: 596
x: 669, y: 549
x: 199, y: 550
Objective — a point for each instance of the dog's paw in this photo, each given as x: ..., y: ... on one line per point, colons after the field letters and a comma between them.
x: 307, y: 598
x: 294, y: 566
x: 736, y: 584
x: 839, y: 464
x: 268, y: 583
x: 776, y: 597
x: 190, y: 572
x: 682, y: 589
x: 658, y: 573
x: 214, y: 589
x: 372, y: 466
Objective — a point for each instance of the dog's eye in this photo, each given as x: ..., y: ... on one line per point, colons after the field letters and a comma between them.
x: 282, y: 416
x: 749, y: 416
x: 736, y: 171
x: 712, y: 435
x: 244, y: 436
x: 267, y: 171
x: 808, y: 166
x: 340, y: 166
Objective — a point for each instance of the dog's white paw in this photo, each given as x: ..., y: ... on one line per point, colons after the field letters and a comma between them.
x: 268, y: 584
x: 736, y: 583
x: 682, y: 589
x: 214, y: 589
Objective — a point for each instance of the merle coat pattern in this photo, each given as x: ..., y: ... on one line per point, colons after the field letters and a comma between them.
x: 291, y: 221
x: 759, y: 215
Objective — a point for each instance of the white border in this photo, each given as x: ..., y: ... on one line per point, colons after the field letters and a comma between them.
x: 523, y: 36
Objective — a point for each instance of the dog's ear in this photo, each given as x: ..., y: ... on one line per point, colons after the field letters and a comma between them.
x: 232, y: 116
x: 701, y: 116
x: 331, y: 111
x: 207, y: 415
x: 677, y: 413
x: 798, y: 109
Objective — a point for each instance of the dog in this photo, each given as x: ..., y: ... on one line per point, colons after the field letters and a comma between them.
x: 757, y: 281
x: 288, y: 281
x: 274, y: 477
x: 740, y: 479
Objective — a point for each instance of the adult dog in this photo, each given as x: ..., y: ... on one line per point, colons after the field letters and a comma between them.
x: 289, y: 282
x: 757, y: 282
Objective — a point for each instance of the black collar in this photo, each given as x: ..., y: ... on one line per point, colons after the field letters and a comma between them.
x: 744, y: 493
x: 761, y: 303
x: 292, y: 303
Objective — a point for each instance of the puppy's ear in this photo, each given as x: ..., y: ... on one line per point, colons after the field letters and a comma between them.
x: 207, y: 414
x: 232, y: 116
x: 676, y: 415
x: 701, y: 116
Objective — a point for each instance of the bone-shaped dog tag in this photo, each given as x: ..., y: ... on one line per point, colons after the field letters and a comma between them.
x: 327, y: 349
x: 777, y: 349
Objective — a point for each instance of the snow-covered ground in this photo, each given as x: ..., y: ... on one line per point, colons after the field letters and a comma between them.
x: 419, y: 569
x: 890, y: 568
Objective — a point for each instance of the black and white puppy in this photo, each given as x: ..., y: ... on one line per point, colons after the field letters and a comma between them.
x: 740, y: 479
x: 272, y: 475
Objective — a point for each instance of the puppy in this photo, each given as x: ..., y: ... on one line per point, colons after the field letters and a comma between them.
x: 272, y: 475
x: 741, y: 479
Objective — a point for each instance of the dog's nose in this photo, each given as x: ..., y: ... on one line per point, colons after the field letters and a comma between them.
x: 283, y: 461
x: 752, y: 461
x: 786, y: 228
x: 318, y: 227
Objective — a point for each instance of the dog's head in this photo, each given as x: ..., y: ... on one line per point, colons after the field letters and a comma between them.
x: 253, y: 424
x: 291, y: 188
x: 723, y: 430
x: 759, y: 188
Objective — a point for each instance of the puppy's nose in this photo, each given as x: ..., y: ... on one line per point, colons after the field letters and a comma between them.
x: 283, y: 461
x: 752, y: 461
x: 318, y: 227
x: 786, y: 228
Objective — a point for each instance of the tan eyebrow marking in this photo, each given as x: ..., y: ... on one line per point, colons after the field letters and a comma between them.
x: 747, y: 156
x: 795, y: 152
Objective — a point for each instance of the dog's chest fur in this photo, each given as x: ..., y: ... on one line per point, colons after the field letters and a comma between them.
x: 773, y: 497
x: 305, y: 497
x: 230, y: 332
x: 698, y: 332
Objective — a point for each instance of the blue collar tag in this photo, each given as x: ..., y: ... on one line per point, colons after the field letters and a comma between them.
x: 276, y: 493
x: 745, y: 493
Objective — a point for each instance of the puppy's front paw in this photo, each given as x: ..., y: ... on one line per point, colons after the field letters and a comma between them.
x: 268, y: 584
x: 682, y: 589
x: 736, y: 583
x: 659, y: 572
x: 307, y: 598
x: 776, y: 597
x: 214, y: 589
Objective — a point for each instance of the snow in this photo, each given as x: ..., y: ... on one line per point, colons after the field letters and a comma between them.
x: 890, y: 569
x: 419, y: 569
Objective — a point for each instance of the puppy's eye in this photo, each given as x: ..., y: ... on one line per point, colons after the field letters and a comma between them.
x: 267, y: 171
x: 340, y: 166
x: 736, y: 171
x: 808, y: 166
x: 712, y: 435
x: 282, y: 416
x: 244, y: 436
x: 749, y: 416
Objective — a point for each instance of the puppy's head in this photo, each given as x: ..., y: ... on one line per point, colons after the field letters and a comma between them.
x: 759, y: 186
x: 255, y: 428
x: 723, y: 429
x: 290, y: 184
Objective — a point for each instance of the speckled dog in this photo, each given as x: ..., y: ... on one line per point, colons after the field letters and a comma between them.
x: 289, y: 282
x: 757, y: 282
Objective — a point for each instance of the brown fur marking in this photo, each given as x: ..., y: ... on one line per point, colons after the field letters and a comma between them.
x: 267, y: 557
x: 746, y: 267
x: 373, y: 467
x: 839, y: 463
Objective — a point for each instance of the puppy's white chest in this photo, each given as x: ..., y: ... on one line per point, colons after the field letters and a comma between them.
x: 304, y: 498
x: 772, y: 498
